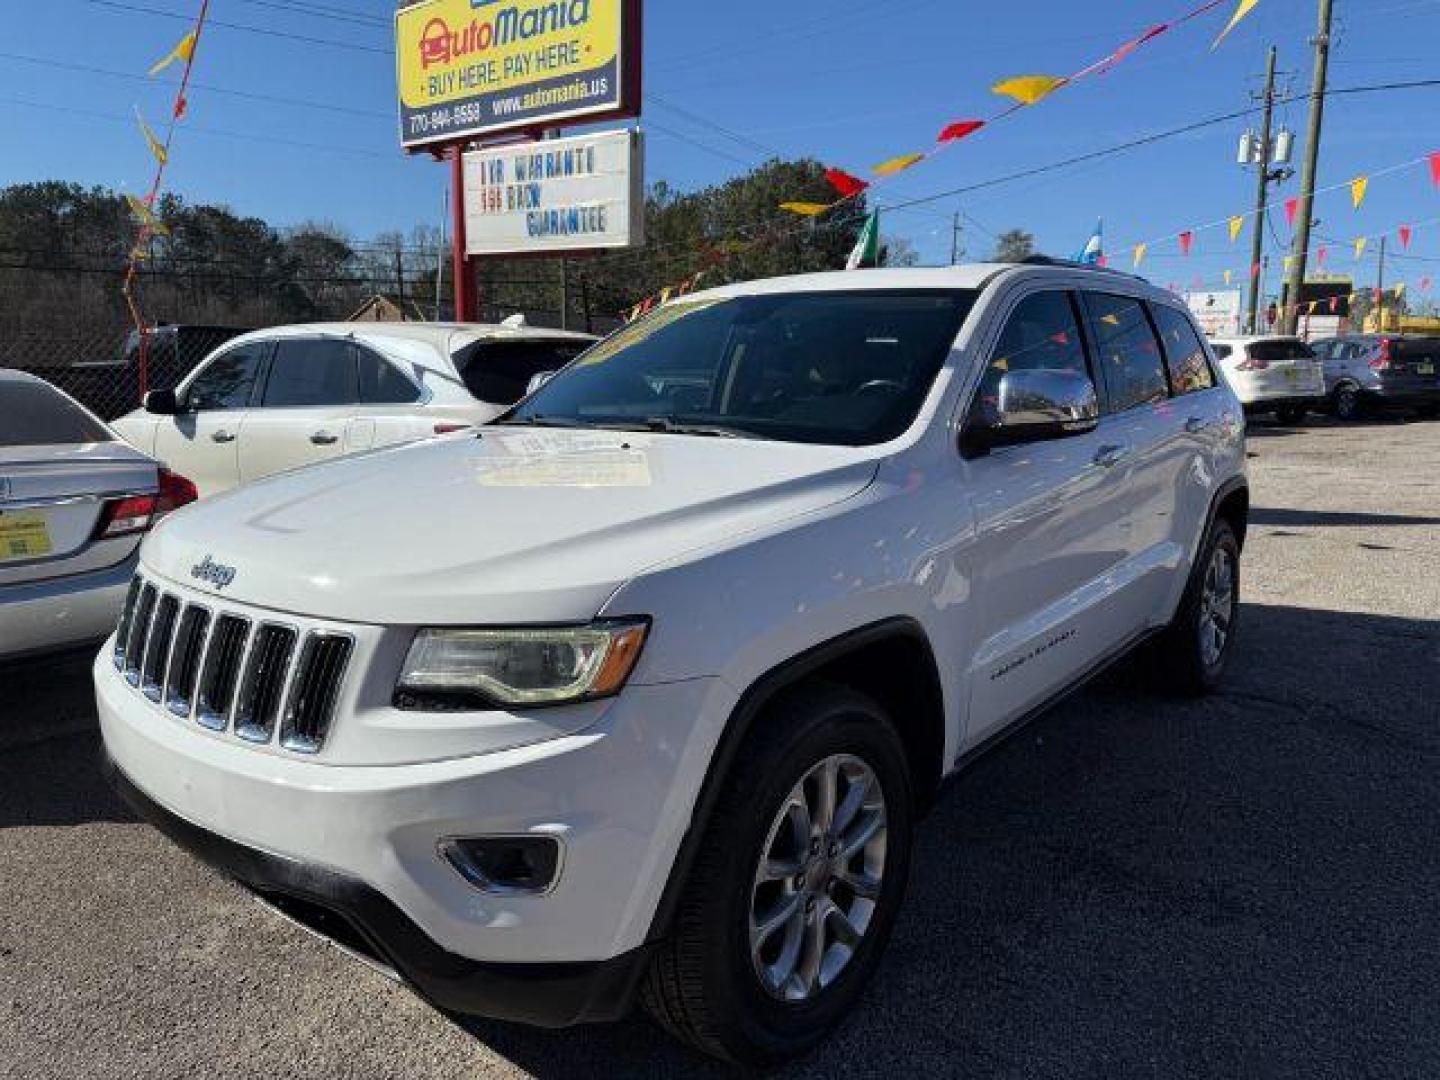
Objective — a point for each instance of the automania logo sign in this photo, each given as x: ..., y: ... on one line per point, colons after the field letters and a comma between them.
x: 439, y: 44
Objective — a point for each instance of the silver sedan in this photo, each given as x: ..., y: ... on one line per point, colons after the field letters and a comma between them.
x: 75, y: 502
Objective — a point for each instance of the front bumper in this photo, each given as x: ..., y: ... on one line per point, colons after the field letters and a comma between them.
x: 361, y: 917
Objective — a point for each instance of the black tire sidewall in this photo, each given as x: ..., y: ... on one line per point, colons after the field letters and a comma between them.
x: 759, y: 1028
x: 1220, y: 535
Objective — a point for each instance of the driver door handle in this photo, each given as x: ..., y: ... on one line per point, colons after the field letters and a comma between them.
x: 324, y: 438
x: 222, y: 436
x: 1111, y: 455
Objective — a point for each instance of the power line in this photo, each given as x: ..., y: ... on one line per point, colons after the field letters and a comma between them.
x: 305, y: 39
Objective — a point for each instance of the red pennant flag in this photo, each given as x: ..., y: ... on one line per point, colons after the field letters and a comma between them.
x: 847, y: 185
x: 960, y: 129
x: 1186, y: 239
x: 1061, y: 338
x: 1435, y: 168
x: 1291, y: 205
x: 1320, y: 255
x: 1424, y: 284
x: 180, y: 106
x: 1405, y: 235
x: 1102, y: 261
x: 1254, y: 269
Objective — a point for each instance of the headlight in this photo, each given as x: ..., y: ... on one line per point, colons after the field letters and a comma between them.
x: 528, y: 666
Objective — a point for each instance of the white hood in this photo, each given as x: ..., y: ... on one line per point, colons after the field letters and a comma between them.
x: 521, y: 525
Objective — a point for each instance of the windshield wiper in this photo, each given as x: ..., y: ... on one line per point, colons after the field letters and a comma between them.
x: 540, y: 420
x: 676, y: 427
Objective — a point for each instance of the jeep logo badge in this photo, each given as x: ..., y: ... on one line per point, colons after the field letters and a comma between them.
x: 217, y: 574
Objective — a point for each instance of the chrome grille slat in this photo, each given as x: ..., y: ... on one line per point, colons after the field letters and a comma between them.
x: 313, y: 691
x: 139, y: 634
x: 264, y: 681
x: 183, y: 674
x: 257, y: 706
x: 157, y: 650
x: 221, y: 672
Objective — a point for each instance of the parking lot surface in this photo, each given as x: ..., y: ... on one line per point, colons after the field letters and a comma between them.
x: 1241, y: 886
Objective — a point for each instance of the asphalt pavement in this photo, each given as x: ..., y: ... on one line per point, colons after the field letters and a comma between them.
x: 1132, y: 886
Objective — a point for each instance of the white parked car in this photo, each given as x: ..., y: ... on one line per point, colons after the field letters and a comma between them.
x: 640, y: 690
x: 289, y: 396
x: 74, y: 503
x: 1271, y: 373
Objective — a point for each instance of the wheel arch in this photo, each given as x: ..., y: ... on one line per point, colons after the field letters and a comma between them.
x: 891, y: 661
x: 1232, y: 502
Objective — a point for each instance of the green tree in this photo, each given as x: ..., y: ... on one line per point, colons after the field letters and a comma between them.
x: 1013, y: 245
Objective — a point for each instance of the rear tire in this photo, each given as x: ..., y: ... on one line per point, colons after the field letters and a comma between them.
x: 1347, y: 403
x: 1290, y: 415
x: 721, y: 982
x: 1193, y: 651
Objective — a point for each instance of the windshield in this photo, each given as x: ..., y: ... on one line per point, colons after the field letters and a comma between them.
x: 35, y: 414
x: 846, y: 368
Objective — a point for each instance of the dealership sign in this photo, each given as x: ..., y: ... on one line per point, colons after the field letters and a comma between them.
x: 468, y: 68
x: 1218, y: 313
x: 578, y: 194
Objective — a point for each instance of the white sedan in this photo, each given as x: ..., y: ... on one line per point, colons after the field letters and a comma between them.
x: 290, y: 396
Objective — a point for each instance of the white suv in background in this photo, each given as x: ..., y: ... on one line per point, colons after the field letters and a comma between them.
x: 289, y: 396
x: 1275, y: 374
x: 639, y: 692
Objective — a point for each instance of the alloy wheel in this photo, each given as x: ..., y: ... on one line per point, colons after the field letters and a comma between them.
x: 818, y: 879
x: 1217, y: 606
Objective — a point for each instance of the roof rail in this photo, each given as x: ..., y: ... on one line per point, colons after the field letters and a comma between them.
x: 1071, y: 264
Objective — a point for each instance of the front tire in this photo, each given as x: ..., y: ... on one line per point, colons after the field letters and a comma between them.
x: 794, y: 892
x: 1194, y: 650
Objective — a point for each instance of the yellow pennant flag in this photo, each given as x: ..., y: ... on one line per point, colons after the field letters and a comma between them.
x: 897, y: 164
x: 1360, y: 243
x: 806, y: 209
x: 156, y: 146
x: 1140, y: 250
x: 1358, y: 187
x: 1227, y: 277
x: 1236, y: 224
x: 141, y: 209
x: 1241, y: 10
x: 1028, y: 89
x: 1289, y: 262
x: 181, y: 52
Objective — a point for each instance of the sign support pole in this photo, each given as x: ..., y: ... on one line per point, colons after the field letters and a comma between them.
x: 463, y: 269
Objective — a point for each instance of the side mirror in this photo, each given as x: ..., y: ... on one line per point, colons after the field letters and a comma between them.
x: 1032, y: 406
x: 161, y: 402
x: 538, y: 380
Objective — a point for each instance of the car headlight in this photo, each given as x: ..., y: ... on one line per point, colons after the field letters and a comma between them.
x: 525, y: 666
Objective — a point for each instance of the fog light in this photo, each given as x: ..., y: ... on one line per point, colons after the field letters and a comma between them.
x: 505, y: 864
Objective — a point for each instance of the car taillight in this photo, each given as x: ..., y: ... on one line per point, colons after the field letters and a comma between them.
x: 1252, y: 363
x: 447, y: 428
x: 175, y: 492
x: 135, y: 514
x: 1382, y: 360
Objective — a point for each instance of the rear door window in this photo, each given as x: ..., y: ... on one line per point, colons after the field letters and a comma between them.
x: 499, y: 372
x: 311, y: 373
x: 228, y: 381
x: 36, y: 414
x: 1128, y: 353
x: 1184, y: 351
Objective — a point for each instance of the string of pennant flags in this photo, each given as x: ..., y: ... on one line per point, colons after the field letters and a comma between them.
x: 143, y: 207
x: 1023, y: 92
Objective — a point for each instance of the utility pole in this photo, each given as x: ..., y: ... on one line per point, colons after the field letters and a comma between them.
x: 1380, y: 291
x: 1262, y: 185
x: 440, y: 253
x: 400, y: 280
x: 564, y: 295
x: 957, y: 232
x: 1312, y: 159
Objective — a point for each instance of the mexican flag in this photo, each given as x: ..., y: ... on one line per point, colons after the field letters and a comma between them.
x: 867, y: 247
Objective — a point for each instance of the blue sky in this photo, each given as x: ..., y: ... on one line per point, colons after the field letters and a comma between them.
x: 849, y: 82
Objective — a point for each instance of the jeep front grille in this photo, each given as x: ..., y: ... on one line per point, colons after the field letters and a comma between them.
x: 228, y: 672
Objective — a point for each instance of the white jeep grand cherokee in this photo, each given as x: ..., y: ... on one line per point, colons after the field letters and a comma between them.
x: 640, y: 692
